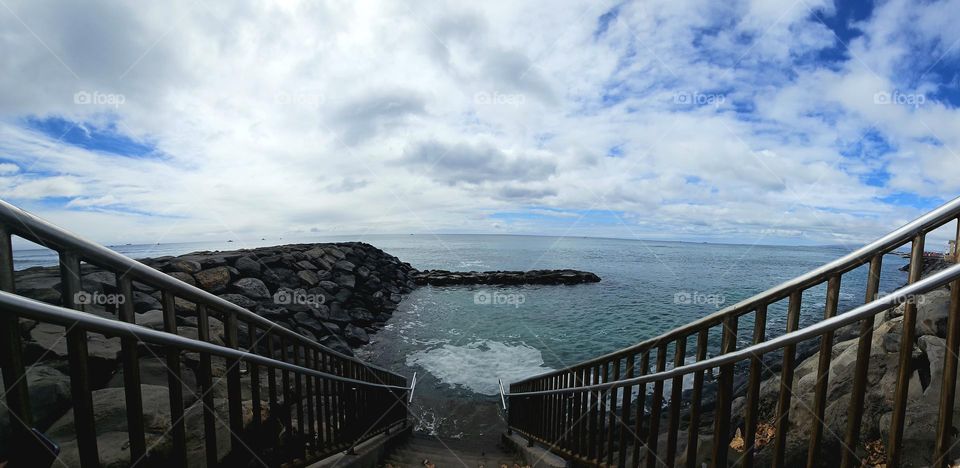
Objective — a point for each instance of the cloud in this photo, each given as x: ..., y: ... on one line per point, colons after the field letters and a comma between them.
x: 744, y: 120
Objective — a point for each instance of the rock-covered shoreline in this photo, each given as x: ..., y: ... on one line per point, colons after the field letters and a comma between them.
x: 334, y: 293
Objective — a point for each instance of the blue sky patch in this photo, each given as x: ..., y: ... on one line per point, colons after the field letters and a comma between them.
x: 91, y: 137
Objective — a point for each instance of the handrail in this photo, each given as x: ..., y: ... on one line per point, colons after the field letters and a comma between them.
x: 869, y: 309
x: 892, y: 240
x: 40, y: 231
x: 503, y: 401
x: 44, y: 312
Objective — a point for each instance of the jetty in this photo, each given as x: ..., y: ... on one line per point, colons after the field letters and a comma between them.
x: 244, y: 358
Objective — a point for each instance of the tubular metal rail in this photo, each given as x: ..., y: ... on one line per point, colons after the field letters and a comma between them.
x: 337, y: 400
x: 595, y: 412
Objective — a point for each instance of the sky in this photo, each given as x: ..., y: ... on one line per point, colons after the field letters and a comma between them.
x: 775, y: 122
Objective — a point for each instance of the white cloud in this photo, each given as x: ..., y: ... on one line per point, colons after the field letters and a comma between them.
x: 282, y: 116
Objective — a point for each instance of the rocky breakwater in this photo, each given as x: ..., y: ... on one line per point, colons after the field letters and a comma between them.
x: 335, y: 294
x: 450, y: 278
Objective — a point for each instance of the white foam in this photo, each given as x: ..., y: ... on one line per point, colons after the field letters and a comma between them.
x: 476, y: 366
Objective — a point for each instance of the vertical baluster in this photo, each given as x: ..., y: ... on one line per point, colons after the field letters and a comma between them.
x: 593, y: 431
x: 721, y: 445
x: 272, y: 377
x: 855, y: 410
x: 753, y: 390
x: 311, y: 434
x: 328, y: 410
x: 676, y: 397
x: 786, y: 382
x: 323, y: 410
x: 298, y: 389
x: 653, y: 437
x: 80, y: 390
x: 612, y: 419
x: 949, y: 386
x: 254, y: 374
x: 581, y: 414
x: 641, y: 402
x: 625, y: 398
x: 131, y: 373
x: 11, y: 355
x: 602, y: 413
x: 234, y: 398
x: 905, y: 365
x: 823, y: 371
x: 693, y: 430
x: 206, y: 389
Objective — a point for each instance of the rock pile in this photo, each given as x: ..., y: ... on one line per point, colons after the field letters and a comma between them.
x: 335, y: 294
x: 449, y: 278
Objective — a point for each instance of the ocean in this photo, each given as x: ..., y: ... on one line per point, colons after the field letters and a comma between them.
x: 461, y: 340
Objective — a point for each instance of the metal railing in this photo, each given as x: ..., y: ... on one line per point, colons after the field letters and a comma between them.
x: 334, y: 401
x: 595, y: 412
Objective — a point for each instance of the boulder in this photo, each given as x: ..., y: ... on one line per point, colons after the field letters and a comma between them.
x: 308, y: 277
x: 184, y: 277
x: 355, y: 335
x: 214, y: 280
x: 247, y: 266
x: 143, y: 302
x: 109, y: 412
x: 240, y: 300
x: 183, y: 266
x: 150, y: 319
x: 252, y: 288
x: 49, y: 399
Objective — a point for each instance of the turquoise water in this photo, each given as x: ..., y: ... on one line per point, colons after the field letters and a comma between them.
x: 459, y: 348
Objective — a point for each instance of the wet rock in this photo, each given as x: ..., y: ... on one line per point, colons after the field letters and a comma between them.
x: 443, y: 277
x: 355, y: 335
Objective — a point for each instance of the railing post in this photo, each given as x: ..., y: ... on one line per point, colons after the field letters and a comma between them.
x: 823, y: 373
x: 206, y: 390
x: 753, y: 390
x: 721, y: 445
x: 949, y: 385
x: 693, y: 430
x: 641, y: 402
x: 11, y: 355
x: 174, y: 381
x: 786, y: 382
x: 855, y: 412
x: 131, y: 373
x: 676, y: 397
x: 80, y: 389
x: 625, y: 398
x: 653, y: 437
x: 905, y: 362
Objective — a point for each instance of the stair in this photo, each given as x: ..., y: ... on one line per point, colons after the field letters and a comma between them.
x: 448, y: 453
